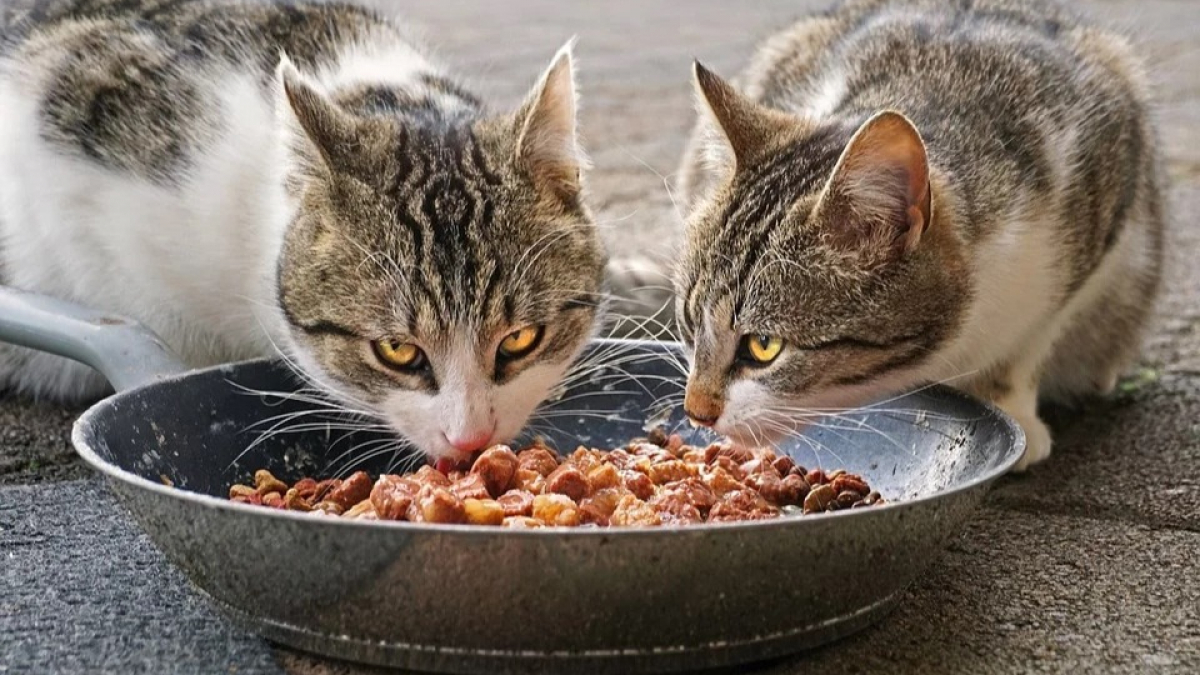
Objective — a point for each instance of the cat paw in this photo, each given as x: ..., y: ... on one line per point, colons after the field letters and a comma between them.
x: 1037, y: 442
x: 1021, y: 404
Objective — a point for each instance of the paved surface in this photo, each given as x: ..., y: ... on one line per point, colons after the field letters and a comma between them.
x: 1089, y: 564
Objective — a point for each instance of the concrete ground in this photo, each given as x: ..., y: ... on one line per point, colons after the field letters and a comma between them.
x: 1088, y: 564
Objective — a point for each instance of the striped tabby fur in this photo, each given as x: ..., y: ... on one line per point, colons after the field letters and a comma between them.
x: 913, y: 191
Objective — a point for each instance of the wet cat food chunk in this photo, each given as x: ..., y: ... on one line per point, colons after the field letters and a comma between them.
x: 439, y: 505
x: 538, y: 459
x: 393, y: 495
x: 516, y: 503
x: 483, y: 511
x: 569, y: 481
x: 498, y: 467
x: 353, y: 490
x: 470, y: 486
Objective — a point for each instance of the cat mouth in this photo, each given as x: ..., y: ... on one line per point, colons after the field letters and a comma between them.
x: 455, y: 455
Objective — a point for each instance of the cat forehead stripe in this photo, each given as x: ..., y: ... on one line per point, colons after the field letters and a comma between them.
x: 441, y: 195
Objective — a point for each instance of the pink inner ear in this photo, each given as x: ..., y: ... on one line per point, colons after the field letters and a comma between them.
x: 547, y: 142
x: 890, y: 145
x: 883, y: 182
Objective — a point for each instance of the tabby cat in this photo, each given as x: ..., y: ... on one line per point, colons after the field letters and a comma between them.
x: 899, y: 192
x: 245, y: 177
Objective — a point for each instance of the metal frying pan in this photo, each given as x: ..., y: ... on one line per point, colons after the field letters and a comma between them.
x: 460, y: 599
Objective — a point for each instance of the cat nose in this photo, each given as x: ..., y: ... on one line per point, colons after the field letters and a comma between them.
x: 470, y: 441
x: 702, y: 410
x: 702, y: 420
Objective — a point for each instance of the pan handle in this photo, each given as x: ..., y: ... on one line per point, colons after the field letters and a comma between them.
x: 128, y: 354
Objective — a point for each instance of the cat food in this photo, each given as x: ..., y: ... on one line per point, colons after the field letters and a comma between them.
x: 650, y: 482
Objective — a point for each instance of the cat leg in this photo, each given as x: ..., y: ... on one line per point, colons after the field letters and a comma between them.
x: 1014, y: 389
x: 1104, y: 336
x: 1021, y: 404
x: 1101, y: 344
x: 1084, y: 347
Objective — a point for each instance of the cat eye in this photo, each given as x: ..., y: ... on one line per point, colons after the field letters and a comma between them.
x: 520, y: 342
x: 399, y: 355
x: 761, y: 349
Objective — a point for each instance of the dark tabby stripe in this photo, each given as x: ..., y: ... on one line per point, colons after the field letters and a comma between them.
x: 312, y: 327
x: 903, y: 359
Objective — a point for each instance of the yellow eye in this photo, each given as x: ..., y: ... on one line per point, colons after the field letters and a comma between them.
x: 521, y: 342
x: 396, y: 354
x: 762, y: 348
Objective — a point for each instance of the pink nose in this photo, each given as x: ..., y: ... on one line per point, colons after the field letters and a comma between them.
x: 470, y: 442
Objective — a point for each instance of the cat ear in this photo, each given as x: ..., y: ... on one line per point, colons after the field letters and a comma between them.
x: 547, y: 135
x: 879, y: 194
x: 312, y: 121
x: 741, y: 127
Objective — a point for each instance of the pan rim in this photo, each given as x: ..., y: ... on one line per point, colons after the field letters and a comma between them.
x: 82, y: 444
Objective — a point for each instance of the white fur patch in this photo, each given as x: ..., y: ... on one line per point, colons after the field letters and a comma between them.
x: 468, y: 404
x: 827, y: 97
x: 1017, y: 285
x: 194, y: 264
x: 748, y: 418
x: 386, y: 63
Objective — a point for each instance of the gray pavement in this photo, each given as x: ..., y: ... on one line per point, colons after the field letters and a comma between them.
x: 85, y: 592
x: 1088, y: 564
